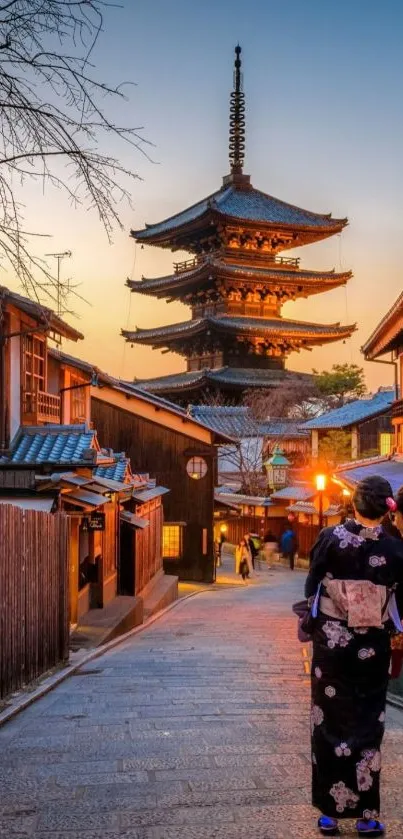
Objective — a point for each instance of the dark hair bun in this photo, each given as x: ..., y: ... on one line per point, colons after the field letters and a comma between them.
x: 370, y: 497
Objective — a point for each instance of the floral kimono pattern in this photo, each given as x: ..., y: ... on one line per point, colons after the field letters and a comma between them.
x: 350, y: 675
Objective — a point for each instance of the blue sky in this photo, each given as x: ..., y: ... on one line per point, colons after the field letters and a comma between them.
x: 324, y: 131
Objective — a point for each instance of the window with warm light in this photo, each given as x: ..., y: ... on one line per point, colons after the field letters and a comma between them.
x: 172, y: 541
x: 196, y: 468
x: 386, y: 443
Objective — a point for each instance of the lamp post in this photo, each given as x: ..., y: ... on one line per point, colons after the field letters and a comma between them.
x: 320, y: 481
x: 277, y: 468
x: 346, y: 495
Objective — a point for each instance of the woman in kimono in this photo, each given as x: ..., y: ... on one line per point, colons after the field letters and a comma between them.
x: 358, y: 566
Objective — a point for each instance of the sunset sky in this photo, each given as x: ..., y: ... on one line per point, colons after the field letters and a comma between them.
x: 323, y: 84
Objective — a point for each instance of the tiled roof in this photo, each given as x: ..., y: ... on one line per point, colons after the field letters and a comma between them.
x: 135, y: 388
x: 298, y: 492
x: 238, y: 422
x: 116, y: 471
x: 259, y: 326
x: 391, y: 469
x: 248, y: 204
x: 42, y: 314
x: 309, y: 509
x: 242, y: 377
x: 353, y: 412
x: 55, y: 444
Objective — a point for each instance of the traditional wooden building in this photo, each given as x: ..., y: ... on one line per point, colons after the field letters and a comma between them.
x: 181, y: 453
x: 50, y: 459
x: 28, y: 395
x: 115, y: 517
x: 385, y: 346
x: 235, y: 283
x: 367, y: 422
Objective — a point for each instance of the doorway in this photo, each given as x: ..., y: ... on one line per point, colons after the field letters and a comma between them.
x: 127, y: 565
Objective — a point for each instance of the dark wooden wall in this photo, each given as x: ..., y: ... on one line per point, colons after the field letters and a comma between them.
x: 237, y: 527
x: 34, y: 627
x: 307, y: 535
x: 164, y: 454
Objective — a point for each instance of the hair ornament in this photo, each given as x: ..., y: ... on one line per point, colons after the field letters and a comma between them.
x: 391, y: 504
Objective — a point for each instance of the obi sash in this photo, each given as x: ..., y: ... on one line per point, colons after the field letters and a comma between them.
x: 359, y: 602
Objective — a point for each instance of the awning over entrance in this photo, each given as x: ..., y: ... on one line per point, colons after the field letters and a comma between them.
x: 148, y: 494
x: 85, y: 498
x: 135, y: 521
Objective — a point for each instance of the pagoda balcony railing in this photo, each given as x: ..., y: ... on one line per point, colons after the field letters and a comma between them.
x: 40, y: 407
x: 186, y: 265
x: 289, y: 261
x: 190, y: 264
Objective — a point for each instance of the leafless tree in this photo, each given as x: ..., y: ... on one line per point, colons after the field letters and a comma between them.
x: 298, y: 401
x: 54, y: 122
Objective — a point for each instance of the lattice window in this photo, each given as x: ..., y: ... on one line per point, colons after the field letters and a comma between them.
x: 172, y: 541
x: 78, y: 409
x: 196, y: 468
x: 33, y: 363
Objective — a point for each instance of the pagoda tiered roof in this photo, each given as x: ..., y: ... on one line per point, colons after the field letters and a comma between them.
x: 241, y: 204
x: 231, y: 378
x: 237, y: 281
x: 273, y: 275
x: 296, y: 333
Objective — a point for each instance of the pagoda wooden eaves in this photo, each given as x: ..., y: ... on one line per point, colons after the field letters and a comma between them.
x: 276, y: 330
x: 213, y: 272
x: 246, y: 213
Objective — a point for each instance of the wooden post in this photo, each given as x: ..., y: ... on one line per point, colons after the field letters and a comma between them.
x: 73, y: 570
x: 315, y: 444
x: 354, y: 443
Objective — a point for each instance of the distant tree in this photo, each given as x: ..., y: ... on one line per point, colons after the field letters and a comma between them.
x: 339, y: 385
x: 54, y: 123
x: 335, y: 448
x: 304, y: 400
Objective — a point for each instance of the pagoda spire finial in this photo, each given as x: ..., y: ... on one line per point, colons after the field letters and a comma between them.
x: 237, y: 119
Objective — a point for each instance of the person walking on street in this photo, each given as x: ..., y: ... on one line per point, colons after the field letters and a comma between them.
x: 288, y: 545
x: 252, y: 548
x: 270, y: 547
x: 243, y: 560
x: 356, y: 578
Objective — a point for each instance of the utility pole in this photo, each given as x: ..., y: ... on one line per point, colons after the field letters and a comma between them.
x: 59, y: 257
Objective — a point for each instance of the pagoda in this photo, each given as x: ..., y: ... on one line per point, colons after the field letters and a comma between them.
x: 236, y: 282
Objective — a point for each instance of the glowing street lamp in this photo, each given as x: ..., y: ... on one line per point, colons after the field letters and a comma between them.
x: 320, y: 481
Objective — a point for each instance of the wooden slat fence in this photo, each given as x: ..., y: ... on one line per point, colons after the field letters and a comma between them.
x: 34, y: 609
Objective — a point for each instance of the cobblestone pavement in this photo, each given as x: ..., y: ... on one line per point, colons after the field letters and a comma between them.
x: 196, y: 728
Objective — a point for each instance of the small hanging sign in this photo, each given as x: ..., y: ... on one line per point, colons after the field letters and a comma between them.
x: 96, y: 521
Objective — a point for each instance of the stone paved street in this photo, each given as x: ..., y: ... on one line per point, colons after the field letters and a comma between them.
x: 196, y: 728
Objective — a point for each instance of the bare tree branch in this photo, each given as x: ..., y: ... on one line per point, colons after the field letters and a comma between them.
x: 53, y: 112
